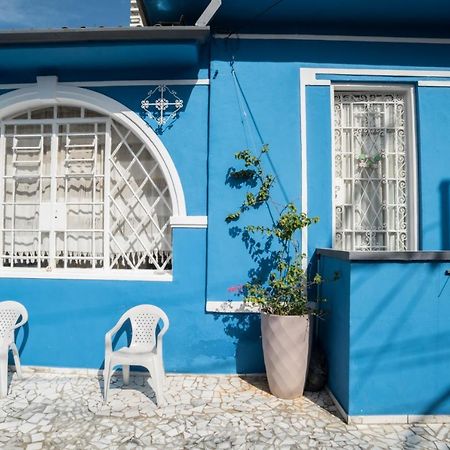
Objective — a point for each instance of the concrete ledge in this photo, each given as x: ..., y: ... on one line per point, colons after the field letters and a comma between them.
x: 178, y: 33
x: 388, y: 418
x: 385, y: 256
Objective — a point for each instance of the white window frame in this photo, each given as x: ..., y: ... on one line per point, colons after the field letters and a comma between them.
x: 412, y: 176
x: 73, y: 272
x: 48, y: 91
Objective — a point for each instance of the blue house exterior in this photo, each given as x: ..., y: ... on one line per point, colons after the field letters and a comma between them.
x: 285, y: 74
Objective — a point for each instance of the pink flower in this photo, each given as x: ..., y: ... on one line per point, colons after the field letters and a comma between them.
x: 236, y: 288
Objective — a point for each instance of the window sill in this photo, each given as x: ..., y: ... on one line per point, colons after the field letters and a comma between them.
x: 438, y: 255
x: 67, y: 274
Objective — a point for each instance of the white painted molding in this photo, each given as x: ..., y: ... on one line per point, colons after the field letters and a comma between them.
x: 230, y: 307
x: 189, y: 221
x: 36, y: 96
x: 304, y: 165
x: 47, y: 87
x: 116, y: 83
x: 89, y: 274
x: 433, y: 83
x: 308, y: 77
x: 334, y: 38
x: 386, y: 418
x: 339, y: 407
x: 309, y: 74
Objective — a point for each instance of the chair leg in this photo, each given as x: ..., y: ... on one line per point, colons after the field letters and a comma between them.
x: 3, y: 373
x: 163, y: 372
x: 161, y: 385
x: 106, y: 378
x: 155, y: 374
x: 126, y: 374
x: 15, y: 353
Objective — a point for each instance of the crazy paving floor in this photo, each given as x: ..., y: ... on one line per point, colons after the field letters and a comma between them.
x: 52, y: 411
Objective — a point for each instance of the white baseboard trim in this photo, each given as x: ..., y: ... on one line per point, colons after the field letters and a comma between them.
x: 79, y: 371
x: 340, y: 409
x: 387, y: 418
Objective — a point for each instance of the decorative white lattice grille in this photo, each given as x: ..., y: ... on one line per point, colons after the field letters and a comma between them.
x: 370, y: 164
x: 80, y: 191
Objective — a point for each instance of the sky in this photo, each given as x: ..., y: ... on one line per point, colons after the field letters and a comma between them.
x: 20, y: 14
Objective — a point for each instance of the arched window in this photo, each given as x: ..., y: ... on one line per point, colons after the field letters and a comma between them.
x: 80, y: 192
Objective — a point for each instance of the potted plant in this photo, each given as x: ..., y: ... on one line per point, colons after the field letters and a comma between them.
x: 279, y: 285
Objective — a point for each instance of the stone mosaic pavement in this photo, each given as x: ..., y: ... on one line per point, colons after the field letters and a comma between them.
x: 52, y: 411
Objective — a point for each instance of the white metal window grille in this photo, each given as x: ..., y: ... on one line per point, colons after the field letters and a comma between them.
x: 80, y: 191
x: 370, y: 171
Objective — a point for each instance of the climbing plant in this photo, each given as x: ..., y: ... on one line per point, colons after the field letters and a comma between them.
x: 283, y: 290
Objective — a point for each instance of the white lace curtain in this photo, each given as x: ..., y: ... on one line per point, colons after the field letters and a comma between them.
x: 139, y: 200
x: 370, y: 171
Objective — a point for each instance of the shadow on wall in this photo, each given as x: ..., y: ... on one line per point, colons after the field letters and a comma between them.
x: 444, y: 189
x: 260, y: 250
x: 253, y: 134
x: 245, y: 330
x: 326, y: 52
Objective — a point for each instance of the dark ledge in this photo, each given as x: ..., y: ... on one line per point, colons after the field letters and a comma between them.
x: 156, y: 33
x: 385, y: 256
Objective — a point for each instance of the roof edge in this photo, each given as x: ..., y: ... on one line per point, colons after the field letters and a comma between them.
x: 155, y: 33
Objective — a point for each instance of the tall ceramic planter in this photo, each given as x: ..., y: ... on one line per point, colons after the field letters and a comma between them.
x: 286, y: 353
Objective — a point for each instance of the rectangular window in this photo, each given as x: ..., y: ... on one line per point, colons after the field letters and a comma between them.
x: 374, y: 170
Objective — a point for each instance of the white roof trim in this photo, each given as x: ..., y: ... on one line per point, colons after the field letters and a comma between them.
x: 208, y: 13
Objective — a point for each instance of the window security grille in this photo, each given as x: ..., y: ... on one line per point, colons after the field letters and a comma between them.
x: 370, y: 171
x: 80, y: 191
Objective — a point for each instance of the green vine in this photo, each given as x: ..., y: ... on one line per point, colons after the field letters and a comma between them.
x: 284, y: 290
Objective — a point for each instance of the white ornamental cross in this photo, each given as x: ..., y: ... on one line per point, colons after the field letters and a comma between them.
x: 158, y: 107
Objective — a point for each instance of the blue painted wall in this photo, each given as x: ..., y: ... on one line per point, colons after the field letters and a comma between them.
x: 334, y: 326
x: 69, y: 318
x: 434, y: 137
x: 395, y: 338
x: 103, y: 61
x: 253, y: 99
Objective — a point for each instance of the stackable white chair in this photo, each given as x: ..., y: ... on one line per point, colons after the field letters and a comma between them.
x: 10, y: 312
x: 145, y: 349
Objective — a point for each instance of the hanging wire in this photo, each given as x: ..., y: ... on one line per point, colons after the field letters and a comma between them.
x: 257, y: 16
x: 249, y: 135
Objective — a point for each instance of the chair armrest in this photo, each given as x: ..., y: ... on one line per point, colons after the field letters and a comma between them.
x: 23, y: 318
x: 108, y: 341
x: 159, y: 339
x: 109, y: 335
x: 22, y: 322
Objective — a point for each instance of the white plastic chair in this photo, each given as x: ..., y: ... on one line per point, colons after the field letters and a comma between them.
x: 9, y: 314
x: 145, y: 349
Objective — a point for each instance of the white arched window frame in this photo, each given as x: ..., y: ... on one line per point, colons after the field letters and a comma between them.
x: 47, y: 92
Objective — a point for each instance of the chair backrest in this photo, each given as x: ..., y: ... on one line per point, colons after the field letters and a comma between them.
x: 144, y: 322
x: 10, y: 312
